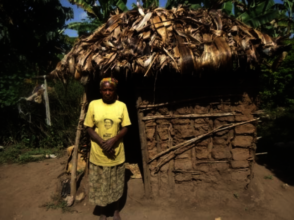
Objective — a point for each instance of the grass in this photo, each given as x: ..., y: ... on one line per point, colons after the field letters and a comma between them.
x: 268, y: 177
x: 57, y: 203
x: 20, y: 154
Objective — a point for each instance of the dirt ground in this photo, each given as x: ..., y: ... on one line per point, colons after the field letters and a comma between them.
x: 25, y: 188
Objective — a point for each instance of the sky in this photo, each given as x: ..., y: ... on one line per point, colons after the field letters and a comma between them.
x: 80, y: 14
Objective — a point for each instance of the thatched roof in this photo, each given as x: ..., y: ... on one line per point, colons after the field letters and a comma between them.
x: 145, y: 41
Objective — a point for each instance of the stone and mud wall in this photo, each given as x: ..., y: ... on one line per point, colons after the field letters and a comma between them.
x: 222, y: 160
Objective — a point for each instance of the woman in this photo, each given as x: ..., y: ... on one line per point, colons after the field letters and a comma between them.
x: 107, y: 170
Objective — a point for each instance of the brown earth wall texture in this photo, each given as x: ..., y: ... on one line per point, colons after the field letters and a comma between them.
x: 221, y: 162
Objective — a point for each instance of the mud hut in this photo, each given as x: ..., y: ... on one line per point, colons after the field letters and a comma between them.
x: 191, y: 76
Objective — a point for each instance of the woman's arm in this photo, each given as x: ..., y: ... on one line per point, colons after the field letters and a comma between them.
x: 94, y: 136
x: 108, y: 145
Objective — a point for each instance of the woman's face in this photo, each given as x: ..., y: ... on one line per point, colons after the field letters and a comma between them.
x: 108, y: 92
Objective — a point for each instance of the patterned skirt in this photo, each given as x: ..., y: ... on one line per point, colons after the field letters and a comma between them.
x: 106, y: 184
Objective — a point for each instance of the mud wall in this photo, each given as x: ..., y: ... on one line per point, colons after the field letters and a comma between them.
x: 222, y: 161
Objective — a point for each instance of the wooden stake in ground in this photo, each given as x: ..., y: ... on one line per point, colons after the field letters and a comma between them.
x: 143, y: 141
x: 73, y: 182
x: 46, y: 98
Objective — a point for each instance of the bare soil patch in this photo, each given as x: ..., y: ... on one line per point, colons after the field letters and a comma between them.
x: 25, y: 188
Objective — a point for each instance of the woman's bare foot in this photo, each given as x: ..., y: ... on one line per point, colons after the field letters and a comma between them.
x: 103, y: 217
x: 116, y: 215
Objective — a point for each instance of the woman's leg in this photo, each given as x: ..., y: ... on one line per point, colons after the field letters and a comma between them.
x: 116, y: 215
x: 103, y: 213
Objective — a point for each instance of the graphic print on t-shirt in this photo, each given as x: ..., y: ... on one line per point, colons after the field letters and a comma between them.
x: 108, y: 123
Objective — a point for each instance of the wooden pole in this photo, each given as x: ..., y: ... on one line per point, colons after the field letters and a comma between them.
x: 204, y: 115
x: 46, y: 98
x: 171, y: 178
x: 143, y: 141
x: 158, y: 143
x: 208, y: 115
x: 73, y: 182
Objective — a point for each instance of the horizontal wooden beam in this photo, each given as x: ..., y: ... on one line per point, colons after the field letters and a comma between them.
x: 206, y: 115
x: 146, y: 118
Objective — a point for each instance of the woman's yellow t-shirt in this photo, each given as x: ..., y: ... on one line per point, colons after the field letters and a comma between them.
x: 108, y: 120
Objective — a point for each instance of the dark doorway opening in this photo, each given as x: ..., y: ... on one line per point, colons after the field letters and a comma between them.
x: 127, y: 94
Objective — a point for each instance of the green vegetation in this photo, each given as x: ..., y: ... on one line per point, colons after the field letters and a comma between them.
x: 34, y: 133
x: 57, y: 203
x: 278, y: 83
x: 98, y: 13
x: 276, y: 127
x: 277, y: 97
x: 268, y: 177
x: 19, y: 153
x: 32, y: 42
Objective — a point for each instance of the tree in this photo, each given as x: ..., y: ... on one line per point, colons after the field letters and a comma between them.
x: 85, y: 27
x: 266, y: 15
x: 98, y: 13
x: 30, y: 41
x: 277, y: 80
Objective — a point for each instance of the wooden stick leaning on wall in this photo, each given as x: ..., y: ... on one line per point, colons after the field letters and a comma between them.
x: 188, y: 142
x: 144, y: 152
x: 180, y: 148
x: 73, y: 182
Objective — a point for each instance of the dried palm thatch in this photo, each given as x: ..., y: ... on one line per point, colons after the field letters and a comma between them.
x: 146, y: 41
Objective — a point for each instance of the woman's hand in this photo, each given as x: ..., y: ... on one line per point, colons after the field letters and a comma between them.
x: 108, y: 145
x: 100, y: 141
x: 110, y: 154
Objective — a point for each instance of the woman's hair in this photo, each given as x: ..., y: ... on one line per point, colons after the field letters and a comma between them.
x: 110, y: 80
